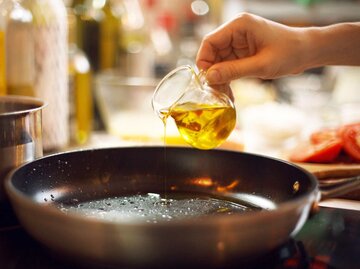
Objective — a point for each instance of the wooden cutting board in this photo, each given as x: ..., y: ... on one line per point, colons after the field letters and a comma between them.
x: 337, y: 170
x: 323, y: 171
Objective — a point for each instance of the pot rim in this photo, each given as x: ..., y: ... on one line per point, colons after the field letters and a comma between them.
x: 36, y: 103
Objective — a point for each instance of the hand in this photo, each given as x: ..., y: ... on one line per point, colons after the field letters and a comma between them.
x: 251, y: 46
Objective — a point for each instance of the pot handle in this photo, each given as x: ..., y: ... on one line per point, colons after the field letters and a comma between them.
x: 334, y: 183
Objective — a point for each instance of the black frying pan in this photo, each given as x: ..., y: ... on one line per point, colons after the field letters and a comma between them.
x: 278, y: 194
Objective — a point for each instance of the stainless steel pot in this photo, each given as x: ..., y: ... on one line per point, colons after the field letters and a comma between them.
x: 20, y: 133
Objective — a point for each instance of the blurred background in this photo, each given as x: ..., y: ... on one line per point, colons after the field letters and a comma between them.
x: 119, y: 49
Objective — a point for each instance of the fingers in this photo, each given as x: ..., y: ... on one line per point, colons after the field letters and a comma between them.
x: 211, y: 45
x: 221, y: 49
x: 207, y: 55
x: 224, y: 72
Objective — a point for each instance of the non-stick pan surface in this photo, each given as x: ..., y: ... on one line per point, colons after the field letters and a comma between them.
x: 280, y: 193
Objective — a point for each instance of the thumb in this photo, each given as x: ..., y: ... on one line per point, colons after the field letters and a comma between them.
x: 226, y: 71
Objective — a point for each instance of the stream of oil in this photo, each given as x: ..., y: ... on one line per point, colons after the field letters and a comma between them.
x: 164, y: 120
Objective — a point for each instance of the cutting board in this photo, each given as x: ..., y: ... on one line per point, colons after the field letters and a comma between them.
x: 336, y: 170
x: 324, y: 171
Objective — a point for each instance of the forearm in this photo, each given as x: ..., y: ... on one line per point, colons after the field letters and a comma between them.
x: 338, y: 44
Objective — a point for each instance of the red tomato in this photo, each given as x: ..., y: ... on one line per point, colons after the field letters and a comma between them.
x: 350, y: 135
x: 323, y: 135
x: 322, y: 152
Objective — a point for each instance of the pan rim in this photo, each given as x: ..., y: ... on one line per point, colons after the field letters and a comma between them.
x: 16, y: 196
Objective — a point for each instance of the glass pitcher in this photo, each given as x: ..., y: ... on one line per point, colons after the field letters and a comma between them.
x: 204, y: 117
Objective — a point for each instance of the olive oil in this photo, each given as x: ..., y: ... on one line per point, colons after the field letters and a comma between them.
x: 80, y: 96
x: 98, y: 32
x: 109, y: 37
x: 2, y: 64
x: 80, y: 88
x: 36, y: 62
x: 203, y: 126
x: 20, y: 53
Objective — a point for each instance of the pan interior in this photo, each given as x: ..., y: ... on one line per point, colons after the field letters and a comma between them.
x: 83, y: 182
x: 156, y: 207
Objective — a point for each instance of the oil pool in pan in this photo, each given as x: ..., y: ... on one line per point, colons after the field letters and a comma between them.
x: 153, y: 207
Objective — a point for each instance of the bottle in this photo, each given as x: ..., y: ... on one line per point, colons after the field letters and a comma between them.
x: 36, y: 62
x: 88, y: 24
x: 80, y: 89
x: 15, y: 26
x: 2, y: 63
x: 3, y: 21
x: 99, y: 30
x: 110, y: 31
x: 20, y: 54
x: 135, y: 43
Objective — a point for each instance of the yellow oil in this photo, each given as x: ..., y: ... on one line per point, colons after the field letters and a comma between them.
x: 26, y: 90
x: 2, y: 64
x: 80, y: 88
x: 109, y: 37
x: 203, y: 126
x: 80, y: 97
x: 83, y: 106
x: 98, y: 32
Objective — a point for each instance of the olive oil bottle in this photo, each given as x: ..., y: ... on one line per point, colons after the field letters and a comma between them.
x: 20, y: 51
x: 2, y: 63
x: 99, y: 30
x: 80, y: 89
x: 110, y: 33
x: 5, y: 7
x: 36, y: 62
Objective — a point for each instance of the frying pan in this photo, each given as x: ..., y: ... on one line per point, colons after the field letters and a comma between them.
x: 279, y: 194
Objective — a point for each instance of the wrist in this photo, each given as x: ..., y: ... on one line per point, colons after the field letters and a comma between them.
x: 312, y: 51
x: 332, y: 45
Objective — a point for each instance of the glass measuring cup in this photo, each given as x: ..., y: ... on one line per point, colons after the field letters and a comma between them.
x: 204, y: 117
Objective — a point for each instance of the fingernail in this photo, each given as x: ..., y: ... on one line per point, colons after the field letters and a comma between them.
x: 213, y: 76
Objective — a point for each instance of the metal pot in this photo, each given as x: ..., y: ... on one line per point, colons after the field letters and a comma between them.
x: 20, y: 133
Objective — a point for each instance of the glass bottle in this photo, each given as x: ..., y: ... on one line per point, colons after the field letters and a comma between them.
x: 20, y: 51
x: 4, y: 7
x: 88, y: 25
x: 80, y: 88
x: 99, y: 30
x: 2, y: 64
x: 135, y: 46
x: 36, y: 62
x: 110, y: 31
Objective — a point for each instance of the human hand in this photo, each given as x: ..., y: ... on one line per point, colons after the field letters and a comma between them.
x: 251, y: 46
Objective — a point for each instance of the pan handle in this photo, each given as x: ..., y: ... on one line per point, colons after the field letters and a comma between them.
x: 334, y: 183
x: 347, y: 185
